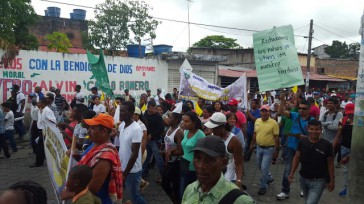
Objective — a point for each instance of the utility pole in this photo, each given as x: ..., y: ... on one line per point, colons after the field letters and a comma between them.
x: 356, y: 173
x: 188, y: 13
x: 309, y: 57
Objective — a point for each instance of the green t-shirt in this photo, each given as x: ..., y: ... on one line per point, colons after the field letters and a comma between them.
x: 287, y: 125
x: 188, y: 144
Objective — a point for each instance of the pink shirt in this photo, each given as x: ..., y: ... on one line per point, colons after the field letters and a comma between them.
x: 241, y: 119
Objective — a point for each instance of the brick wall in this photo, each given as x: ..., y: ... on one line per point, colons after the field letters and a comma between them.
x: 47, y: 25
x: 338, y: 67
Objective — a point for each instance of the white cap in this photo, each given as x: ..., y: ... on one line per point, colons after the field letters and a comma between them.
x: 216, y: 119
x: 137, y: 111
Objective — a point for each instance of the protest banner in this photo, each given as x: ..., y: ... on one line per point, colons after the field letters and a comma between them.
x: 56, y: 158
x: 193, y: 87
x: 276, y: 59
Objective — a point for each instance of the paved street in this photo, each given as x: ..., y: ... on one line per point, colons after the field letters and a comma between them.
x: 16, y: 169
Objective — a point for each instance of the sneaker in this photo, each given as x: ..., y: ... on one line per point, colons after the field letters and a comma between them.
x: 301, y: 194
x: 262, y: 191
x: 282, y: 196
x: 343, y: 193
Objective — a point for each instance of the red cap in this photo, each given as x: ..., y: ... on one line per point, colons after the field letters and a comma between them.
x: 101, y: 119
x: 233, y: 102
x: 349, y: 108
x: 266, y: 107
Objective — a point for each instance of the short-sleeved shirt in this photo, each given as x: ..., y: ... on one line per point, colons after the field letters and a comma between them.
x: 19, y: 97
x: 287, y: 125
x: 193, y: 193
x: 296, y: 129
x: 129, y: 135
x: 265, y: 132
x: 58, y: 100
x: 99, y: 108
x: 79, y: 96
x: 9, y: 121
x: 314, y: 158
x: 256, y: 114
x: 241, y: 119
x: 79, y: 131
x: 188, y: 144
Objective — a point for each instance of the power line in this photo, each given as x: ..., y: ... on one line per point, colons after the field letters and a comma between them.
x: 335, y: 33
x: 335, y: 28
x: 172, y: 20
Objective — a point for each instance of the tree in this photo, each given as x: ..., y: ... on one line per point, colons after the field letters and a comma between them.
x: 217, y: 41
x: 15, y: 17
x: 114, y: 20
x: 58, y: 41
x: 341, y: 50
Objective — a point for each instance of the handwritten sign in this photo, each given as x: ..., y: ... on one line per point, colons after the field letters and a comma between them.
x: 276, y: 59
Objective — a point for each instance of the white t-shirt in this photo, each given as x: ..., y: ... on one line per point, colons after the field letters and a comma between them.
x: 45, y: 117
x: 99, y: 108
x: 34, y: 113
x: 19, y: 97
x: 79, y: 131
x: 9, y: 121
x: 132, y: 134
x: 79, y: 96
x: 142, y: 125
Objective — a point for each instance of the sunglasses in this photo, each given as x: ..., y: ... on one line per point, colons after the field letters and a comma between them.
x: 302, y: 108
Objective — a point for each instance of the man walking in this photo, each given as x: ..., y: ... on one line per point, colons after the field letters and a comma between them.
x: 266, y: 134
x: 317, y: 164
x: 211, y: 186
x: 252, y: 115
x: 130, y: 138
x: 20, y: 101
x: 298, y: 131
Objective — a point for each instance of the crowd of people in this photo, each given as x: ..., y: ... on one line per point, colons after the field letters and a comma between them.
x: 199, y: 148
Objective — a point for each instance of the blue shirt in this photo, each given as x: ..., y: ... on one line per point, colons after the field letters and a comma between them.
x: 256, y: 114
x: 296, y: 129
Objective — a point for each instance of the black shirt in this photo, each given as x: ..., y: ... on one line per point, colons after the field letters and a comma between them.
x: 347, y: 130
x: 314, y: 158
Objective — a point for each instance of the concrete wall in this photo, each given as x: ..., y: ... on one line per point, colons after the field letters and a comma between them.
x: 47, y: 25
x: 338, y: 67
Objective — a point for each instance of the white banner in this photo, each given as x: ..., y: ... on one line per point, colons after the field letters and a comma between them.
x: 56, y: 158
x: 193, y: 87
x: 64, y: 71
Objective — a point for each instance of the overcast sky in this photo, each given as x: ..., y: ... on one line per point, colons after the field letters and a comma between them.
x: 333, y: 19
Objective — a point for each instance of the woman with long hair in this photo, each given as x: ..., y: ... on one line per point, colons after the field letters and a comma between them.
x: 231, y: 122
x: 218, y: 107
x: 192, y: 125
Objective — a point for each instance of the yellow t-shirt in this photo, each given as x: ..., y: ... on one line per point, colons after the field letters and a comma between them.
x: 265, y: 132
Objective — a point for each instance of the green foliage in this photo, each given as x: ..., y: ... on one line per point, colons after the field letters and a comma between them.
x: 341, y: 50
x: 115, y: 20
x: 58, y: 41
x: 217, y: 41
x: 15, y: 17
x: 142, y: 23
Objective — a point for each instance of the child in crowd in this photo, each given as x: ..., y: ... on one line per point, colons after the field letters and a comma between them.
x: 78, y: 179
x: 9, y: 125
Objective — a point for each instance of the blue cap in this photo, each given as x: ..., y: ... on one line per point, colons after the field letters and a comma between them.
x: 32, y: 95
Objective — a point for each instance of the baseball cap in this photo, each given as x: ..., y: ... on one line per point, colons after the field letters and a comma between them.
x: 233, y: 102
x: 137, y: 110
x: 266, y: 107
x: 349, y: 108
x: 101, y: 119
x: 216, y: 120
x: 214, y: 146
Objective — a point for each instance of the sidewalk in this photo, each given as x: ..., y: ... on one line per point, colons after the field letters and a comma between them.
x: 17, y: 169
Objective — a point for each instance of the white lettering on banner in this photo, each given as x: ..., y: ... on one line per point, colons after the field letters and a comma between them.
x: 64, y: 71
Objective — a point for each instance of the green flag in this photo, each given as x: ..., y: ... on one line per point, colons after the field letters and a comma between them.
x: 99, y: 72
x: 276, y: 59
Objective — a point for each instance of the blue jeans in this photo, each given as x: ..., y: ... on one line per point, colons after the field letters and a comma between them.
x: 9, y: 135
x: 264, y: 159
x: 287, y: 169
x: 152, y: 149
x: 19, y: 127
x: 132, y: 186
x: 312, y: 189
x: 345, y: 152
